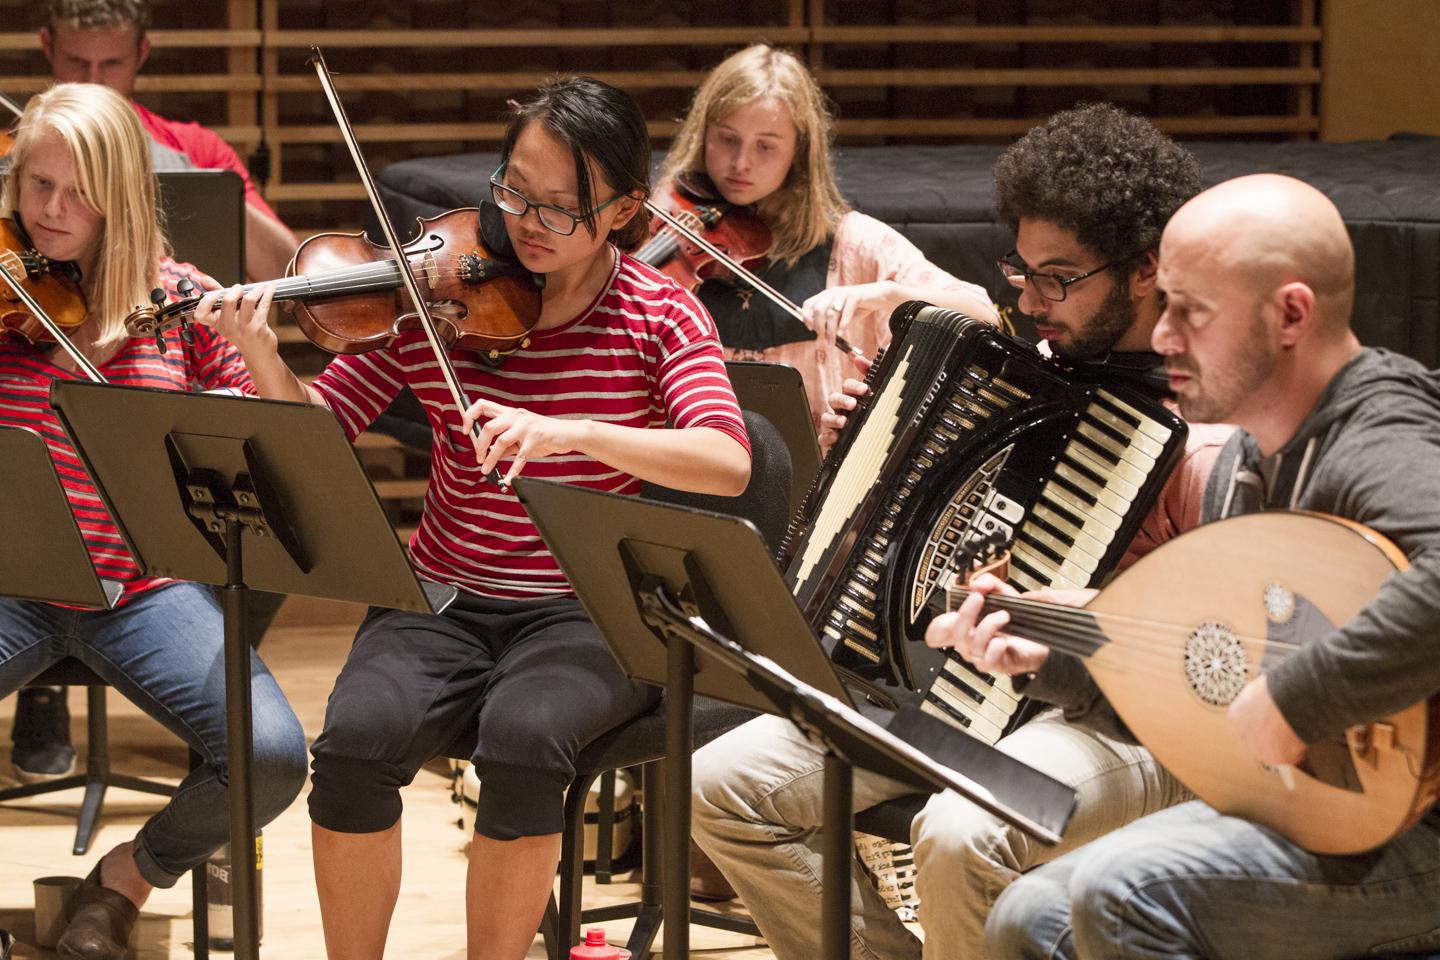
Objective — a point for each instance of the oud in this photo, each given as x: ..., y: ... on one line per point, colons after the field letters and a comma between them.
x: 1173, y: 640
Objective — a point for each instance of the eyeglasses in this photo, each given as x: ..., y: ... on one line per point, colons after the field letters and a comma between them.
x: 1051, y: 286
x: 552, y: 218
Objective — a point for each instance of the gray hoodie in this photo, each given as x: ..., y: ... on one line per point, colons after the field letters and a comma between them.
x: 1369, y: 451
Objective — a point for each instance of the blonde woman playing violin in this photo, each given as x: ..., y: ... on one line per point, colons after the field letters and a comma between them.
x: 80, y: 186
x: 759, y: 132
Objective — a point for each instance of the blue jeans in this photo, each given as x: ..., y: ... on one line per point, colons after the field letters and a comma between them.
x: 1191, y: 882
x: 164, y: 651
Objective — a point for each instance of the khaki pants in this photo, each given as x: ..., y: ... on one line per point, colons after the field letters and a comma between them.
x: 757, y: 813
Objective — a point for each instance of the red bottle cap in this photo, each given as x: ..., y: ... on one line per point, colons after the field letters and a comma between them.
x: 595, y: 948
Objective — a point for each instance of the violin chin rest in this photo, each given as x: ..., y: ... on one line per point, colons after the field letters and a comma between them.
x: 497, y: 239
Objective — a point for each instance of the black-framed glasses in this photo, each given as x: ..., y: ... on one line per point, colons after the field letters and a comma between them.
x: 552, y: 218
x: 1051, y: 286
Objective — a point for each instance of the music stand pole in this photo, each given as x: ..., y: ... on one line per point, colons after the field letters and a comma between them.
x: 239, y: 735
x: 679, y: 744
x: 837, y: 837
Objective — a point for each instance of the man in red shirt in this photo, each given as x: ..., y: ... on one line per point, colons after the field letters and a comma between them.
x: 103, y: 41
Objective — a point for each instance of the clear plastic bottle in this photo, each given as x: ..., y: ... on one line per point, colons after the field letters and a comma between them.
x: 219, y: 896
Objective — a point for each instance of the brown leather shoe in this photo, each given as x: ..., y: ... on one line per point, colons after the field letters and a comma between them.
x: 707, y: 883
x: 100, y: 922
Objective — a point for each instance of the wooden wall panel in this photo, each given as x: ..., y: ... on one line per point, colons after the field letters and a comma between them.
x: 427, y: 77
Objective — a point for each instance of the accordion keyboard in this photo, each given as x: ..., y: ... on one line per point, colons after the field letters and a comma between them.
x: 1082, y: 508
x: 1083, y: 505
x: 968, y: 436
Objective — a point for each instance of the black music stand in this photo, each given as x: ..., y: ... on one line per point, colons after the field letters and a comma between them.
x: 649, y: 574
x: 33, y: 509
x: 190, y: 480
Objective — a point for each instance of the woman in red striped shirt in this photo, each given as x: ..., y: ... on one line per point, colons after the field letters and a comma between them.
x: 80, y: 186
x: 515, y: 665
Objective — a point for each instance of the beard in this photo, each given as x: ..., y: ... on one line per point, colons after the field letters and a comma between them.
x: 1099, y: 334
x: 1217, y: 396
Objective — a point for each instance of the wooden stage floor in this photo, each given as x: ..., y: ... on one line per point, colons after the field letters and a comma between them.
x: 36, y: 836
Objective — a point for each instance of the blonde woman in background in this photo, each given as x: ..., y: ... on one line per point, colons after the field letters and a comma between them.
x: 79, y: 187
x: 758, y: 135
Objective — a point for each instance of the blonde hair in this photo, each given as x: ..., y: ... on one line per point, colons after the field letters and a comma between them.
x: 804, y: 211
x: 111, y: 153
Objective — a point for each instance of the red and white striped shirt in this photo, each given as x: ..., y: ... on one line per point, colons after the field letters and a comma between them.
x: 643, y: 353
x: 209, y: 363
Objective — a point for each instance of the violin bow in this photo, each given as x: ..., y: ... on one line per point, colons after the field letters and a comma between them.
x: 81, y: 361
x: 775, y: 296
x: 11, y: 105
x: 407, y: 273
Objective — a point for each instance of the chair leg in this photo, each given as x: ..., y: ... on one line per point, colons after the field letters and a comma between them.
x: 652, y: 863
x: 605, y: 827
x: 97, y: 777
x: 97, y: 768
x: 572, y: 863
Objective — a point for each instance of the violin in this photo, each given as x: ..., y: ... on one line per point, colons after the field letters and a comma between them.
x: 681, y: 236
x: 53, y: 284
x: 737, y: 232
x: 27, y: 276
x: 348, y: 296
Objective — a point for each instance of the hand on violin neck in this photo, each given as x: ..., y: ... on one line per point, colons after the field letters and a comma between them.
x: 517, y: 435
x: 240, y: 315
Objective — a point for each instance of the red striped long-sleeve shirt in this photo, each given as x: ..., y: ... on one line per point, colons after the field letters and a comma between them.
x: 643, y: 353
x: 208, y: 363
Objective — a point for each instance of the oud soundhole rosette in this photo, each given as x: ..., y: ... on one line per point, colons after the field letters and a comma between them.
x: 1215, y: 663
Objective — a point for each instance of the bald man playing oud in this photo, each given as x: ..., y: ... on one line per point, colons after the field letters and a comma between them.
x: 1259, y: 276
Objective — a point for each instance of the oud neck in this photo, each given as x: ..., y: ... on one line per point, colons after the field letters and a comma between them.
x: 1069, y: 630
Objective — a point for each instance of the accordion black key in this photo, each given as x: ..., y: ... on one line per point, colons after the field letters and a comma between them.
x: 968, y: 436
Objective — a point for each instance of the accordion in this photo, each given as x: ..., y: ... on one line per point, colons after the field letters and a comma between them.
x: 968, y: 436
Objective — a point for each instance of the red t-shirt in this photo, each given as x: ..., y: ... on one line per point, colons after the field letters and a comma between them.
x: 203, y: 148
x: 209, y: 363
x: 644, y: 353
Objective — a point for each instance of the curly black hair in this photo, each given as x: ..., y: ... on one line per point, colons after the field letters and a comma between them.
x: 1106, y: 175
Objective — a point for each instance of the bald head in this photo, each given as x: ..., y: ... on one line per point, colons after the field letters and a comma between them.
x: 1267, y: 231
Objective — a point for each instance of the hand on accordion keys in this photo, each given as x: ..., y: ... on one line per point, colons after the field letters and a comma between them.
x: 842, y: 402
x: 982, y: 640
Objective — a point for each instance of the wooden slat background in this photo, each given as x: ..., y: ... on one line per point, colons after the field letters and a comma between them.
x: 427, y: 77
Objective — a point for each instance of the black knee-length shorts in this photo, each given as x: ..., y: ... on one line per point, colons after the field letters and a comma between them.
x: 528, y: 683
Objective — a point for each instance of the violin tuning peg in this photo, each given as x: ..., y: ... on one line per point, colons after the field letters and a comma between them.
x: 185, y: 287
x: 158, y: 297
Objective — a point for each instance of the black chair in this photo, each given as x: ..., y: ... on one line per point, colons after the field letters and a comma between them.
x: 641, y: 742
x: 97, y: 776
